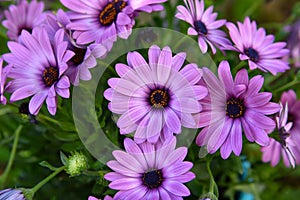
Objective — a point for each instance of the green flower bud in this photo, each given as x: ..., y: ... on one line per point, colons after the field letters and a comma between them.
x: 76, y: 163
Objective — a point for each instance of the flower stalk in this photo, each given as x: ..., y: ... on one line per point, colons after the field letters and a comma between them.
x: 213, y: 187
x: 4, y: 176
x: 287, y: 86
x: 46, y: 180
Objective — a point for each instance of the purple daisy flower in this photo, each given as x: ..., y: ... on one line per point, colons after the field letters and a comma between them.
x: 155, y: 97
x: 233, y: 105
x: 12, y: 194
x: 285, y: 145
x: 24, y: 16
x: 290, y: 98
x: 258, y: 48
x: 85, y: 55
x: 204, y: 25
x: 101, y: 21
x: 293, y: 43
x: 150, y: 171
x: 38, y: 69
x: 3, y: 75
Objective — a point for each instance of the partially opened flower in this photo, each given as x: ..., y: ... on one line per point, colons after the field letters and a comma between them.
x: 3, y: 75
x: 258, y: 48
x: 157, y: 96
x: 150, y: 171
x: 85, y: 55
x: 102, y: 21
x: 284, y: 145
x: 290, y: 98
x: 204, y: 25
x: 292, y: 136
x: 38, y: 69
x: 12, y: 194
x: 23, y: 16
x: 234, y: 106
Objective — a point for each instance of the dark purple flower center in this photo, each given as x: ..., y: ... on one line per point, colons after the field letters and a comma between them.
x: 200, y: 27
x: 50, y: 76
x: 153, y: 179
x: 283, y: 137
x: 235, y: 108
x: 29, y: 29
x: 291, y: 118
x: 78, y: 58
x: 159, y: 98
x: 110, y: 12
x: 252, y: 54
x: 24, y: 108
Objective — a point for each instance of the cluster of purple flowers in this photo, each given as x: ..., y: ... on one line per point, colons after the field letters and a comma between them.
x: 157, y: 97
x: 49, y: 52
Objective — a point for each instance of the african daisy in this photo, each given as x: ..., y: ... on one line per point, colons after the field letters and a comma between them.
x: 258, y: 48
x: 204, y: 25
x: 38, y: 69
x: 101, y: 21
x: 155, y: 97
x: 23, y: 16
x: 235, y: 105
x: 150, y: 171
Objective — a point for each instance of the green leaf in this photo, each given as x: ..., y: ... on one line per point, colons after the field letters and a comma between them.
x: 5, y: 110
x: 66, y: 136
x: 63, y: 158
x: 67, y: 126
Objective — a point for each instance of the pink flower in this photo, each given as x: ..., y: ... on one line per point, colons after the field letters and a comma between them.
x: 3, y: 75
x: 155, y: 98
x: 24, y: 16
x: 288, y: 137
x: 38, y: 69
x: 285, y: 144
x: 85, y: 55
x: 101, y: 21
x: 203, y: 24
x: 150, y: 171
x: 258, y: 48
x: 234, y: 106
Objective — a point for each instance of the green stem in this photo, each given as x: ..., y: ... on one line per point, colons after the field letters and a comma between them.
x: 12, y: 105
x: 254, y: 191
x: 12, y: 157
x: 285, y: 87
x: 94, y: 173
x: 212, y: 184
x: 239, y: 66
x: 44, y: 117
x: 252, y: 8
x: 47, y: 179
x: 170, y: 13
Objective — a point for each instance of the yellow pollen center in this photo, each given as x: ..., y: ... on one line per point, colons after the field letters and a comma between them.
x: 50, y: 76
x: 235, y: 108
x: 159, y: 98
x: 109, y: 13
